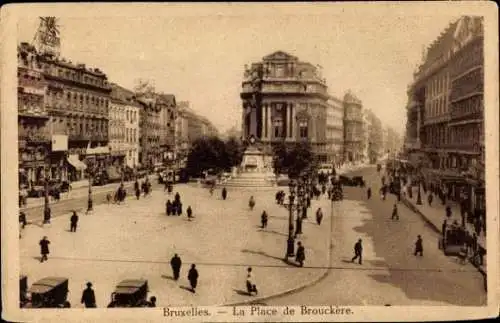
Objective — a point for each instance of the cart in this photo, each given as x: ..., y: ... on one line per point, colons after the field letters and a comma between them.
x: 452, y: 241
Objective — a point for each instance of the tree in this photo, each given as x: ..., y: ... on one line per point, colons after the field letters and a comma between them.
x: 280, y: 157
x: 293, y: 160
x: 233, y: 152
x: 213, y: 153
x: 143, y: 86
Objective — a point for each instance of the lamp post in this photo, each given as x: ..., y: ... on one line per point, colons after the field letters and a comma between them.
x: 419, y: 194
x: 300, y: 204
x: 290, y: 241
x: 46, y: 208
x: 90, y: 203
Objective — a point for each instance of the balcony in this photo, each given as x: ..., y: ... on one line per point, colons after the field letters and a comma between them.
x: 34, y: 137
x: 473, y: 148
x: 33, y: 111
x: 294, y: 88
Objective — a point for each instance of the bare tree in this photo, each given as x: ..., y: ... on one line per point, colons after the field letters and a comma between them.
x: 143, y: 86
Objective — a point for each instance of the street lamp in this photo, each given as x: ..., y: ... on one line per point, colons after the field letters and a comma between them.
x: 290, y: 241
x: 300, y: 205
x: 46, y: 209
x: 90, y: 203
x: 419, y: 194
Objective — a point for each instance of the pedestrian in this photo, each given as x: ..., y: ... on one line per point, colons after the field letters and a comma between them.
x: 250, y: 283
x: 308, y: 201
x: 395, y: 215
x: 448, y: 211
x: 137, y: 193
x: 263, y: 219
x: 88, y: 297
x: 419, y: 248
x: 430, y: 197
x: 251, y: 203
x: 44, y: 248
x: 168, y: 207
x: 170, y: 188
x: 22, y: 219
x: 176, y: 264
x: 47, y: 215
x: 152, y: 301
x: 177, y: 197
x: 224, y: 193
x: 368, y: 193
x: 193, y: 278
x: 443, y: 227
x: 319, y: 216
x: 301, y: 254
x: 358, y: 251
x: 179, y: 209
x: 73, y: 222
x: 189, y: 212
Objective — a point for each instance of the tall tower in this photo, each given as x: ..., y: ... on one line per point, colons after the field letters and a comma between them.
x: 47, y: 40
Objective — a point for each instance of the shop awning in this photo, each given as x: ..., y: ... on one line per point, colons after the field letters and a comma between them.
x: 74, y: 161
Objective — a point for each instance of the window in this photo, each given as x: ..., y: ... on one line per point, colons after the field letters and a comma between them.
x: 278, y: 128
x: 303, y: 131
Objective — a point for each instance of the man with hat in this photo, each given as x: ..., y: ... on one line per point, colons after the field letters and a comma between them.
x: 88, y: 296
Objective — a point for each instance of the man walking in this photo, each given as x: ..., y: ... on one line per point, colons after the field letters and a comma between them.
x: 73, y: 222
x: 189, y: 212
x: 263, y: 219
x: 193, y: 278
x: 88, y: 297
x: 419, y: 248
x: 44, y: 248
x: 358, y: 252
x: 176, y: 264
x: 319, y: 216
x: 224, y: 193
x: 368, y: 193
x: 251, y: 287
x: 395, y: 215
x: 301, y: 254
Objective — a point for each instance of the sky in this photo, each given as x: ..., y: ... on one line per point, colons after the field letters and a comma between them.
x: 199, y: 55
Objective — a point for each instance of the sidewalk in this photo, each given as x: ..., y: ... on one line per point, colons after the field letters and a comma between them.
x: 435, y: 214
x: 223, y: 240
x: 76, y: 192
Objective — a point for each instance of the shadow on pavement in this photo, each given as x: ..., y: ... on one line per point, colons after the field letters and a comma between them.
x: 272, y: 231
x: 241, y: 292
x: 186, y: 288
x: 262, y: 253
x: 167, y: 277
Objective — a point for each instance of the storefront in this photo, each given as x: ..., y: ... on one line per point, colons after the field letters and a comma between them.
x: 76, y: 168
x: 98, y: 158
x: 32, y: 164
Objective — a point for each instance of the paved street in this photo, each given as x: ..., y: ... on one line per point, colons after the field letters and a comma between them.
x: 390, y: 274
x: 137, y: 240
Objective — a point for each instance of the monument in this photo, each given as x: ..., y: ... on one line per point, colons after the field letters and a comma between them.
x: 256, y: 168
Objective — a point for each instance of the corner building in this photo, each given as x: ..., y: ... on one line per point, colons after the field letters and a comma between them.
x: 33, y: 133
x: 445, y: 127
x: 285, y: 99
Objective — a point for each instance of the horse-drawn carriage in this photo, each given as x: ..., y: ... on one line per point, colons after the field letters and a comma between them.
x: 453, y: 241
x: 49, y: 292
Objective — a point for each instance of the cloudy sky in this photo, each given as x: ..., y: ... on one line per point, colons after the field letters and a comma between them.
x: 198, y: 53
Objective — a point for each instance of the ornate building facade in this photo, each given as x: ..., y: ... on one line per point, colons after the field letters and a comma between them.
x: 285, y: 100
x: 168, y: 114
x: 445, y: 131
x: 335, y: 130
x: 33, y: 132
x: 124, y: 127
x: 353, y: 128
x: 77, y: 99
x: 149, y: 122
